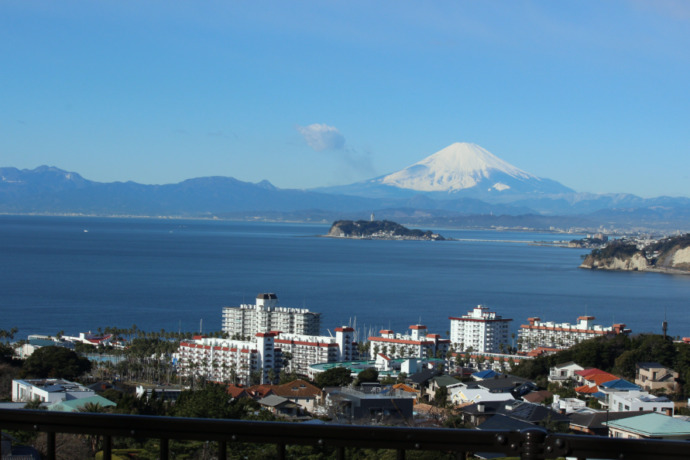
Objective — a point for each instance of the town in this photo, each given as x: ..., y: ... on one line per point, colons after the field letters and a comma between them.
x: 272, y: 362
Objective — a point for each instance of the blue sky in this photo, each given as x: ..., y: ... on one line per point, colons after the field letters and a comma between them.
x: 595, y: 95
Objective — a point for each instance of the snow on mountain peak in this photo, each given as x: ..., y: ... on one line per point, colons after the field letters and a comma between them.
x: 459, y: 166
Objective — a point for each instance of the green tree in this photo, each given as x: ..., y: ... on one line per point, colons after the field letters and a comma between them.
x: 55, y: 362
x: 368, y: 375
x: 334, y: 377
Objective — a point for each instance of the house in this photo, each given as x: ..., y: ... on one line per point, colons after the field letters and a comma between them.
x: 301, y: 392
x: 485, y: 374
x: 506, y: 383
x: 567, y: 405
x: 377, y: 406
x: 78, y: 405
x: 438, y: 382
x: 590, y: 421
x: 639, y: 401
x: 237, y: 392
x: 532, y: 413
x: 463, y: 394
x: 563, y: 372
x: 654, y: 376
x: 48, y: 390
x: 280, y: 406
x: 650, y: 426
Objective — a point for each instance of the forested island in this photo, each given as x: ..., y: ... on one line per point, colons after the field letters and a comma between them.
x: 667, y: 255
x: 379, y: 230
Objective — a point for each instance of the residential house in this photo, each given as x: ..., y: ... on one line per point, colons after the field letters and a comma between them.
x: 564, y: 372
x: 640, y: 401
x: 301, y: 392
x: 654, y: 376
x: 48, y: 390
x: 279, y: 406
x: 79, y: 405
x: 650, y: 426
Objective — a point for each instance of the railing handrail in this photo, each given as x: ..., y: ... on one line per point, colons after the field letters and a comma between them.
x: 532, y: 443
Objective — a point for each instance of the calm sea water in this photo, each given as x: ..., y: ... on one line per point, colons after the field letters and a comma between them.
x: 78, y: 274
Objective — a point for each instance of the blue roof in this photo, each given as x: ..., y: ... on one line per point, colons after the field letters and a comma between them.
x: 599, y: 395
x: 620, y: 384
x: 485, y: 374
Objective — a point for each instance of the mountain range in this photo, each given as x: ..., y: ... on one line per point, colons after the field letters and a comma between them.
x: 461, y: 185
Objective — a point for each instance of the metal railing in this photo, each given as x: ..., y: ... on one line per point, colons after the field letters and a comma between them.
x: 527, y: 444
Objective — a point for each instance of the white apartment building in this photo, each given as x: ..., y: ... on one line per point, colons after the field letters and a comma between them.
x: 48, y: 390
x: 231, y: 360
x: 417, y: 344
x: 309, y: 349
x: 482, y: 330
x: 561, y: 336
x: 238, y: 360
x: 246, y: 320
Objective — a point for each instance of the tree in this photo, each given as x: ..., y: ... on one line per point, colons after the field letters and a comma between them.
x: 55, y: 362
x: 334, y: 377
x: 368, y: 375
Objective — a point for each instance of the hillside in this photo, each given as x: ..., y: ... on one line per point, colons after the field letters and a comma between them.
x: 379, y: 229
x: 670, y: 255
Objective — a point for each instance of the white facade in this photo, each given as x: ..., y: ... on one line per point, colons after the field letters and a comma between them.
x: 310, y: 349
x: 561, y: 336
x: 48, y: 390
x: 563, y: 372
x: 482, y: 330
x: 417, y: 344
x: 635, y: 401
x: 231, y: 360
x: 246, y: 320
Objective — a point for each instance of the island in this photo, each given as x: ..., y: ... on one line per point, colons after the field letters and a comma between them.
x: 665, y: 255
x: 379, y: 230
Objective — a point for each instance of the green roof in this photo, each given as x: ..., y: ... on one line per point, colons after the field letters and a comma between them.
x: 74, y: 405
x: 653, y: 425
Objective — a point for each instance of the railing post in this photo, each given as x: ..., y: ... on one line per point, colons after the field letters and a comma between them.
x: 107, y: 447
x: 533, y: 443
x: 164, y: 452
x: 222, y: 450
x: 50, y: 445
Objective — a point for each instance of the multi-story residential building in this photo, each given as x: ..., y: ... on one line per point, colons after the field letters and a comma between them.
x: 561, y: 336
x: 309, y: 349
x: 246, y: 320
x: 417, y: 344
x: 240, y: 361
x: 244, y: 361
x: 481, y: 330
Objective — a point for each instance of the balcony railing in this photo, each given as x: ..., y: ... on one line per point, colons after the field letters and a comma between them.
x: 533, y: 443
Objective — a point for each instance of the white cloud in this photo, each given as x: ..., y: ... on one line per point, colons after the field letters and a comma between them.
x: 320, y: 137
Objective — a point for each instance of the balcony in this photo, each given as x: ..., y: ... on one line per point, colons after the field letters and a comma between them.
x: 527, y: 444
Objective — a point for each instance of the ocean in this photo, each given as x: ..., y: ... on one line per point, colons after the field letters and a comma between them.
x: 76, y: 274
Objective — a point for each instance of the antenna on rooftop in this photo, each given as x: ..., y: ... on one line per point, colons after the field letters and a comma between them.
x: 664, y: 325
x: 201, y: 326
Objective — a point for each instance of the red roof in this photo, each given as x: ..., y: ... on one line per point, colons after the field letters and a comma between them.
x: 586, y: 389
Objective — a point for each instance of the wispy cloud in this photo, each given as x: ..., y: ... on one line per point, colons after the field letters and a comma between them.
x: 320, y: 137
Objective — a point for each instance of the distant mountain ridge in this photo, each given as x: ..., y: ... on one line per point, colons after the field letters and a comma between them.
x: 462, y: 185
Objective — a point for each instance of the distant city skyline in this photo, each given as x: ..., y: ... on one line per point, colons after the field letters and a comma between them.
x: 593, y: 95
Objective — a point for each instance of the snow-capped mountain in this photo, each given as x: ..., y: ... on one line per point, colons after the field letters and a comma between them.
x: 457, y: 167
x: 460, y: 169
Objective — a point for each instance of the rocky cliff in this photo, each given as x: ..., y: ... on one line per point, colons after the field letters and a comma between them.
x: 670, y: 255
